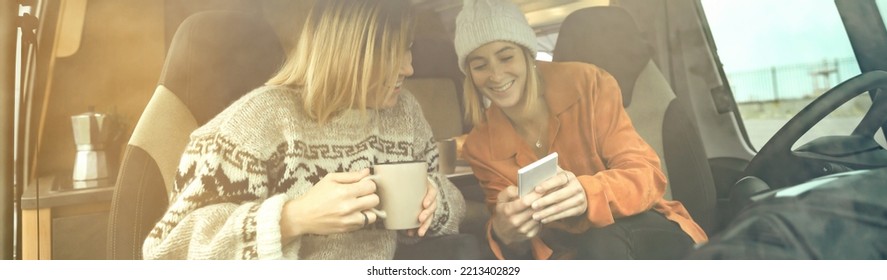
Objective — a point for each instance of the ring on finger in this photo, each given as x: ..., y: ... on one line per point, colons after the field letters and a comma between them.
x: 366, y: 220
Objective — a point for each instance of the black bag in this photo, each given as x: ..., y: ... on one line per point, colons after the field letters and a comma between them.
x: 843, y: 217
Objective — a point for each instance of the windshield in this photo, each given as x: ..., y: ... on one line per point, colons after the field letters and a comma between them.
x: 780, y: 55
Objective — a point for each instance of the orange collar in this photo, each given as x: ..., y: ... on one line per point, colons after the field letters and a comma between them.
x: 560, y: 93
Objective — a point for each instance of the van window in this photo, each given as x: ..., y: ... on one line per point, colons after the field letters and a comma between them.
x: 780, y: 55
x: 546, y: 44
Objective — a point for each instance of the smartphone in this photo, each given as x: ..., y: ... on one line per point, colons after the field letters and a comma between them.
x: 528, y: 177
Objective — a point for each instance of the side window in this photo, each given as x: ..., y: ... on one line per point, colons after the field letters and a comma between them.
x: 779, y: 56
x: 546, y: 44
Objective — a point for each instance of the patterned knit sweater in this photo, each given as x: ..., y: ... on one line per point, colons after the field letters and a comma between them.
x: 241, y: 167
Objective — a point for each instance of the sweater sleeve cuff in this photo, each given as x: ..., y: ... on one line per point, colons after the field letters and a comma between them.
x: 268, y: 242
x: 436, y: 227
x: 440, y: 199
x: 598, y: 213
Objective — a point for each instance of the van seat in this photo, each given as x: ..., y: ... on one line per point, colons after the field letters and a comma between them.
x: 608, y: 37
x: 214, y: 58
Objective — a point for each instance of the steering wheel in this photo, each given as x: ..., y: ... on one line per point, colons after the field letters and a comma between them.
x: 779, y: 166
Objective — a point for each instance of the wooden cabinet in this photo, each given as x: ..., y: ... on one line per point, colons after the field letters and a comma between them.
x: 64, y: 224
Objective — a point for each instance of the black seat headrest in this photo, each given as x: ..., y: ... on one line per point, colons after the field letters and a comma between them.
x: 608, y: 37
x: 218, y: 56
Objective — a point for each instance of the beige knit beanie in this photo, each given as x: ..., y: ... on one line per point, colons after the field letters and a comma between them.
x: 484, y: 21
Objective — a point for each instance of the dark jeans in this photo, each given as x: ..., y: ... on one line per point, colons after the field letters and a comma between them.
x: 447, y: 247
x: 648, y: 236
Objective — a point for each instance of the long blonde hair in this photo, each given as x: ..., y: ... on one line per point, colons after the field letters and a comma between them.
x: 347, y: 50
x: 474, y: 107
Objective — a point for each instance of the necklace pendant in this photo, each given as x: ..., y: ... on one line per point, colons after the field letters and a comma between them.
x: 538, y: 144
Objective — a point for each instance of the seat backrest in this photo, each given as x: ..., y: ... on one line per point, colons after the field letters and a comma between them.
x: 214, y: 58
x: 609, y: 38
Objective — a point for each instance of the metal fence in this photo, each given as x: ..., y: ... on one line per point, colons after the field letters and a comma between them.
x: 792, y: 81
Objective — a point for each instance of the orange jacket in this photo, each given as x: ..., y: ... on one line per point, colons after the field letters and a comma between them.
x: 595, y: 139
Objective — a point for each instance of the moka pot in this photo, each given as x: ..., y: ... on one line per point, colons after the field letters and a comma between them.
x: 91, y: 134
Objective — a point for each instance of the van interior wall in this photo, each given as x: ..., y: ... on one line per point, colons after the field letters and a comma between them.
x: 114, y: 70
x: 116, y: 67
x: 8, y: 16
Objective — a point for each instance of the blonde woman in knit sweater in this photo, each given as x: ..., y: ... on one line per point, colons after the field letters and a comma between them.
x: 279, y: 173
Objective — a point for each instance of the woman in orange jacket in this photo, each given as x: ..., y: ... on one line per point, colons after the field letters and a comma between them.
x: 607, y: 200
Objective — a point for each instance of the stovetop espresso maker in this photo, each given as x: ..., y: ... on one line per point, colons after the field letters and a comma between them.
x: 92, y: 133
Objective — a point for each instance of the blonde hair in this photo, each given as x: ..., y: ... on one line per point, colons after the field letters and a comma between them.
x: 347, y: 50
x: 474, y: 107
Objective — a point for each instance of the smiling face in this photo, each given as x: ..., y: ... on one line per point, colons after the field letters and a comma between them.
x: 499, y: 72
x: 392, y: 87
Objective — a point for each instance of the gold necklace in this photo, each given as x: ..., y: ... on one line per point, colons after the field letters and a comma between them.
x: 541, y: 135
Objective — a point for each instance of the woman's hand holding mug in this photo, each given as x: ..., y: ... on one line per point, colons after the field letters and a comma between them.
x: 333, y: 205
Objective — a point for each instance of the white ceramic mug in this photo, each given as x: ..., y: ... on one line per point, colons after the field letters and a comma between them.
x: 401, y: 186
